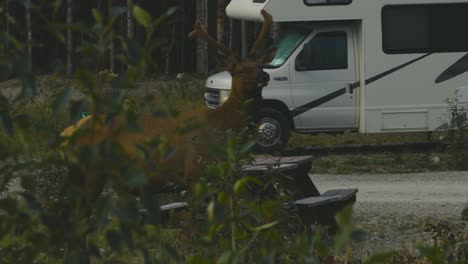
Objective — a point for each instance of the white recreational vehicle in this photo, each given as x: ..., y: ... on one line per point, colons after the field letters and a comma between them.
x: 364, y: 65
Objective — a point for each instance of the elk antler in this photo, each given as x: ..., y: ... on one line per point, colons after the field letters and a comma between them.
x: 267, y: 20
x: 200, y: 32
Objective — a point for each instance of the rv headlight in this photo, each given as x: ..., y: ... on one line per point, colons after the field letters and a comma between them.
x: 223, y: 95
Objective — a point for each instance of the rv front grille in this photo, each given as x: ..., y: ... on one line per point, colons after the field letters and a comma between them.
x: 212, y: 97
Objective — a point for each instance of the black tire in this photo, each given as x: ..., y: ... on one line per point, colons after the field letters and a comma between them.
x: 273, y: 131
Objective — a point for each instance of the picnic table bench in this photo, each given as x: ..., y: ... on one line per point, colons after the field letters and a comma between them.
x: 313, y: 207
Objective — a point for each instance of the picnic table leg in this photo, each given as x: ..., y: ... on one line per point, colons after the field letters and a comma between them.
x: 304, y: 182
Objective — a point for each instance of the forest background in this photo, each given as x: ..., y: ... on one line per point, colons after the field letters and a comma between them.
x: 174, y: 52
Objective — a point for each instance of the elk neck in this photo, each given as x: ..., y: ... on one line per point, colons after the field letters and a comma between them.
x: 243, y: 90
x: 242, y: 106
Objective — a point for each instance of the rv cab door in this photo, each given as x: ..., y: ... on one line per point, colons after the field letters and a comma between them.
x: 323, y: 77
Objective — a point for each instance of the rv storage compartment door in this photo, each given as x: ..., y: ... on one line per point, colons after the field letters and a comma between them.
x: 416, y: 120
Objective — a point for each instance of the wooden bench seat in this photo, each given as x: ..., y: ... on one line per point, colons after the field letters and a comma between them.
x: 316, y: 201
x: 323, y: 208
x: 328, y: 197
x: 344, y: 194
x: 168, y: 210
x: 174, y: 207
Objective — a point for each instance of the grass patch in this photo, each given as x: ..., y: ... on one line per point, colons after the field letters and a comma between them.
x: 313, y: 140
x: 380, y: 163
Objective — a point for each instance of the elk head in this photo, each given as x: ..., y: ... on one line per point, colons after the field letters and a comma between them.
x: 248, y: 77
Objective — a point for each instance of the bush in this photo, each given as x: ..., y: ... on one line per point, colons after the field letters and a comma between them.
x: 458, y: 134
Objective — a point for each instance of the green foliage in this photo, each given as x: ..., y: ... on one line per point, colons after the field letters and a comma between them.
x: 142, y: 17
x: 458, y: 134
x: 66, y: 203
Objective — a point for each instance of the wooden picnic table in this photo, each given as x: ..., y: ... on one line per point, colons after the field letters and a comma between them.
x: 313, y: 207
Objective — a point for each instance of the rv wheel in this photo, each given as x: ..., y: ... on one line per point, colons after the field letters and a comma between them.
x: 272, y: 131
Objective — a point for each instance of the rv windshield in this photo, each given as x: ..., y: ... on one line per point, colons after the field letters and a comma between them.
x: 286, y: 45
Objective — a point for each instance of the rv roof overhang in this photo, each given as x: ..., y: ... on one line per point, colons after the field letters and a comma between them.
x: 297, y: 10
x: 290, y: 11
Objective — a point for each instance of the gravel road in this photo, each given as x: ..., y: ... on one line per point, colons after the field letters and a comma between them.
x: 393, y: 207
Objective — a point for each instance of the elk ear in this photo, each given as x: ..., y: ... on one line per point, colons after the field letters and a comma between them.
x: 269, y: 56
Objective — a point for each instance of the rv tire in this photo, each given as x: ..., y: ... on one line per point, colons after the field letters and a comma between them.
x: 273, y: 131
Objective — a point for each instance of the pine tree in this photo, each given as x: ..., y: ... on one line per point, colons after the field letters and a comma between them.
x: 202, y: 48
x: 69, y: 37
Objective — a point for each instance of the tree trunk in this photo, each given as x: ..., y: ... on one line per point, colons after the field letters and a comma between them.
x: 7, y: 22
x: 111, y: 55
x: 130, y: 26
x: 171, y: 46
x: 112, y: 42
x: 220, y: 20
x: 231, y: 33
x: 183, y: 36
x: 29, y: 38
x: 202, y: 47
x: 69, y: 37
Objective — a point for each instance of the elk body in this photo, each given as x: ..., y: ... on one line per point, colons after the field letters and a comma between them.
x: 241, y: 108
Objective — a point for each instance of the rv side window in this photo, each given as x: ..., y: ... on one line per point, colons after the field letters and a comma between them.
x: 325, y: 51
x: 327, y: 2
x: 424, y: 28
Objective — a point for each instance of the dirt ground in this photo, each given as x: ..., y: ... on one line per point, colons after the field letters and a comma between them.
x: 392, y: 208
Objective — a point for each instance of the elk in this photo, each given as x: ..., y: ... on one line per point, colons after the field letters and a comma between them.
x: 241, y: 108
